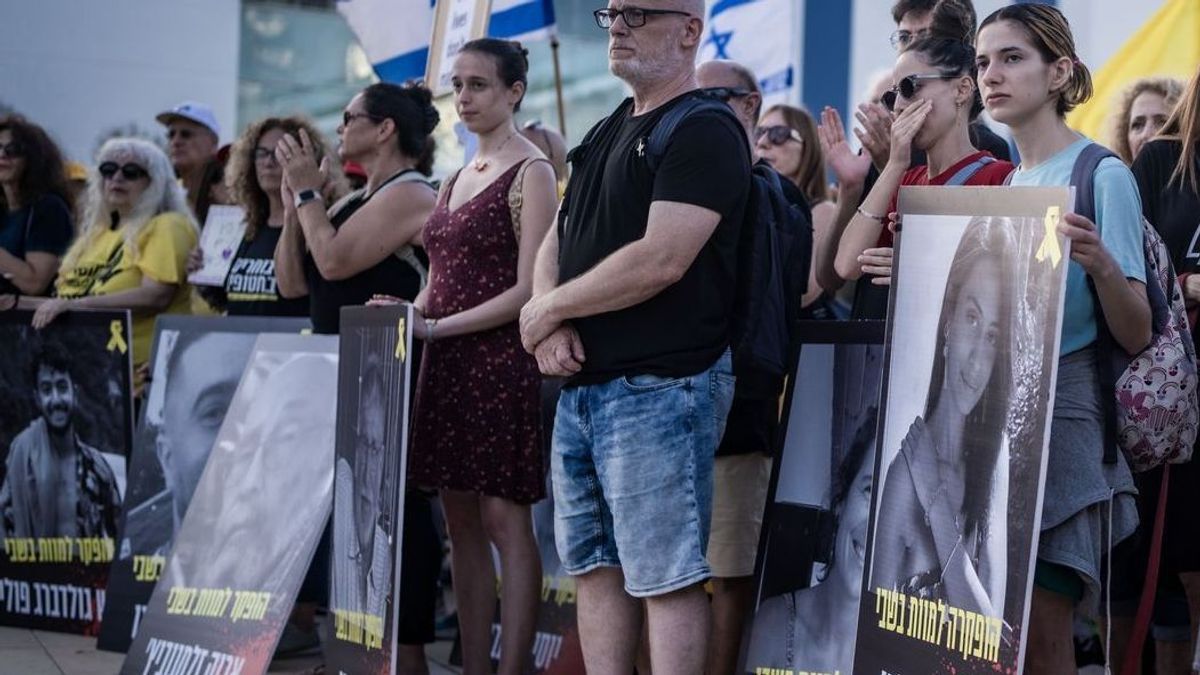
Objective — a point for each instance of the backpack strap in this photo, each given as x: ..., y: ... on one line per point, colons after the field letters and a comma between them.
x: 967, y: 172
x: 1083, y: 179
x: 660, y: 136
x: 515, y: 196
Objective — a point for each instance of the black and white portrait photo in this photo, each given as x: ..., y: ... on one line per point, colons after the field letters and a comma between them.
x: 258, y: 509
x: 65, y: 432
x: 811, y: 559
x: 974, y: 335
x: 196, y: 363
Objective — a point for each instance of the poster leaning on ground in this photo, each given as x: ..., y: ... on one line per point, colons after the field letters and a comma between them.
x: 810, y: 561
x: 967, y: 397
x: 195, y: 365
x: 65, y: 430
x: 241, y: 552
x: 368, y: 488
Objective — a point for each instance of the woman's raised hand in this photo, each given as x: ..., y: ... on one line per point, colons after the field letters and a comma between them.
x: 848, y: 166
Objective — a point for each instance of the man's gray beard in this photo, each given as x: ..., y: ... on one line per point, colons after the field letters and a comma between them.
x: 642, y: 71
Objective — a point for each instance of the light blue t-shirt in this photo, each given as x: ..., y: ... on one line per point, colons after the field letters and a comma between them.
x: 1119, y: 219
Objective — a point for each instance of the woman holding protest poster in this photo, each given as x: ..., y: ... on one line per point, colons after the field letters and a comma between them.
x: 1030, y: 77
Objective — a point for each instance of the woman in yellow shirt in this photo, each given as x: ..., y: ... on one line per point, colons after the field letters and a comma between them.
x: 133, y: 247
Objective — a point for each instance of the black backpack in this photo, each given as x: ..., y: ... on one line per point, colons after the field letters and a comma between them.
x: 774, y: 255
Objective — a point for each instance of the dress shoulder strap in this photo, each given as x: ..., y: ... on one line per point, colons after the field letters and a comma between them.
x: 515, y: 197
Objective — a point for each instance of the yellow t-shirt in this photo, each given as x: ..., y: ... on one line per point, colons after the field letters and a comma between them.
x: 107, y: 267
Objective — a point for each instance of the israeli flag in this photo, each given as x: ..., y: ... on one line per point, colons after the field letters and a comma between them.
x: 395, y: 33
x: 764, y: 36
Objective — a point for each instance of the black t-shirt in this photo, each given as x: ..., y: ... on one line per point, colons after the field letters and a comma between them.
x: 685, y: 328
x: 1173, y: 209
x: 250, y: 288
x: 391, y: 276
x: 44, y: 227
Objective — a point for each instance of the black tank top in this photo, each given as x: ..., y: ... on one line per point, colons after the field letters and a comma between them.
x: 392, y: 276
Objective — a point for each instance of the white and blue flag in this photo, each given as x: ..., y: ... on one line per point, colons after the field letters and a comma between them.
x: 395, y: 33
x: 762, y: 35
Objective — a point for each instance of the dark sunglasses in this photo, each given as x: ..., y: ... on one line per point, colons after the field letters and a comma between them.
x: 348, y: 117
x: 13, y: 150
x: 262, y: 154
x: 635, y: 17
x: 908, y: 87
x: 778, y: 134
x: 129, y: 171
x: 727, y: 94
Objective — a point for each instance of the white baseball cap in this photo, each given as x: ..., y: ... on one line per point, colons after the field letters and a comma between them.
x: 193, y: 112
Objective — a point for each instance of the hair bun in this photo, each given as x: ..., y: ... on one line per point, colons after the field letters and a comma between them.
x: 432, y: 118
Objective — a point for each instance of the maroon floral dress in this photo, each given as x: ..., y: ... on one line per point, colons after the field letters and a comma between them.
x: 477, y: 424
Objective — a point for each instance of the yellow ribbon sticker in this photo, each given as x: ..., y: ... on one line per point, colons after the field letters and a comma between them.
x: 1049, y: 247
x: 116, y: 341
x: 401, y: 340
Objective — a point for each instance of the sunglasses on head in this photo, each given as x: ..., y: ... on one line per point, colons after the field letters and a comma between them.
x: 129, y: 171
x: 13, y: 150
x: 727, y: 94
x: 908, y: 87
x: 778, y: 134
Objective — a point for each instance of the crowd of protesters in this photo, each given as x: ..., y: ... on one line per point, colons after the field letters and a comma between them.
x: 659, y: 463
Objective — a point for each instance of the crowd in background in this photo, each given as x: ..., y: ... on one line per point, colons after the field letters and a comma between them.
x: 363, y: 221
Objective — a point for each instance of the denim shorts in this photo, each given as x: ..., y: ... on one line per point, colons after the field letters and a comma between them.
x: 632, y: 468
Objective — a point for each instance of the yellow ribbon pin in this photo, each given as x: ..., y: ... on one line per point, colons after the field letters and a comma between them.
x: 116, y: 341
x: 1049, y: 247
x: 401, y: 340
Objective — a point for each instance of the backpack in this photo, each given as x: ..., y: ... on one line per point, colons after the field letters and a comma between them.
x: 1150, y: 399
x: 773, y: 258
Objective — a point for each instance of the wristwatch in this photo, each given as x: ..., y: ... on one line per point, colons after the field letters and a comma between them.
x: 305, y: 196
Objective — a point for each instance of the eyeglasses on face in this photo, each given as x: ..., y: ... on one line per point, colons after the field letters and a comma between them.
x: 13, y: 150
x: 129, y: 171
x: 727, y: 94
x: 264, y: 155
x: 348, y: 117
x: 181, y: 132
x: 778, y: 134
x: 635, y: 17
x: 908, y: 87
x: 901, y: 39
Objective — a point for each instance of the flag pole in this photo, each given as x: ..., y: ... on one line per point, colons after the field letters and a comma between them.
x: 558, y: 85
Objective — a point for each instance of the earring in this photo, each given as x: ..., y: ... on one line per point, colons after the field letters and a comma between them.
x: 958, y: 105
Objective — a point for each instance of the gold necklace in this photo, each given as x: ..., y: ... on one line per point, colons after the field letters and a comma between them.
x: 480, y: 164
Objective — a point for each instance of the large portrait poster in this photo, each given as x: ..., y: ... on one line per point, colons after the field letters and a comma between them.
x: 968, y: 395
x: 810, y: 560
x: 65, y: 430
x: 195, y: 363
x: 260, y: 506
x: 368, y: 487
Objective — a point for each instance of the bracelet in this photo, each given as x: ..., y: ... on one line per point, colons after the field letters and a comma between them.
x: 872, y: 216
x: 430, y: 324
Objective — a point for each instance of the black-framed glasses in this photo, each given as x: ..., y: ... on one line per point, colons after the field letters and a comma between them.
x: 129, y: 171
x: 727, y: 94
x: 778, y: 134
x: 908, y: 87
x: 348, y: 117
x: 901, y: 39
x: 635, y: 17
x: 265, y: 155
x: 13, y: 150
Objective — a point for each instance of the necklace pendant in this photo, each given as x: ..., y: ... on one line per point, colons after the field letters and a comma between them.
x: 480, y: 165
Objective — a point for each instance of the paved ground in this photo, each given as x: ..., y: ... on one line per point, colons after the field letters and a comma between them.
x: 30, y: 652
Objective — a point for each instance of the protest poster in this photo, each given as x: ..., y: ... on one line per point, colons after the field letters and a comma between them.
x: 65, y: 431
x: 556, y: 649
x: 262, y: 502
x: 220, y: 238
x: 811, y: 551
x: 195, y: 363
x: 375, y: 370
x: 968, y: 394
x: 455, y: 23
